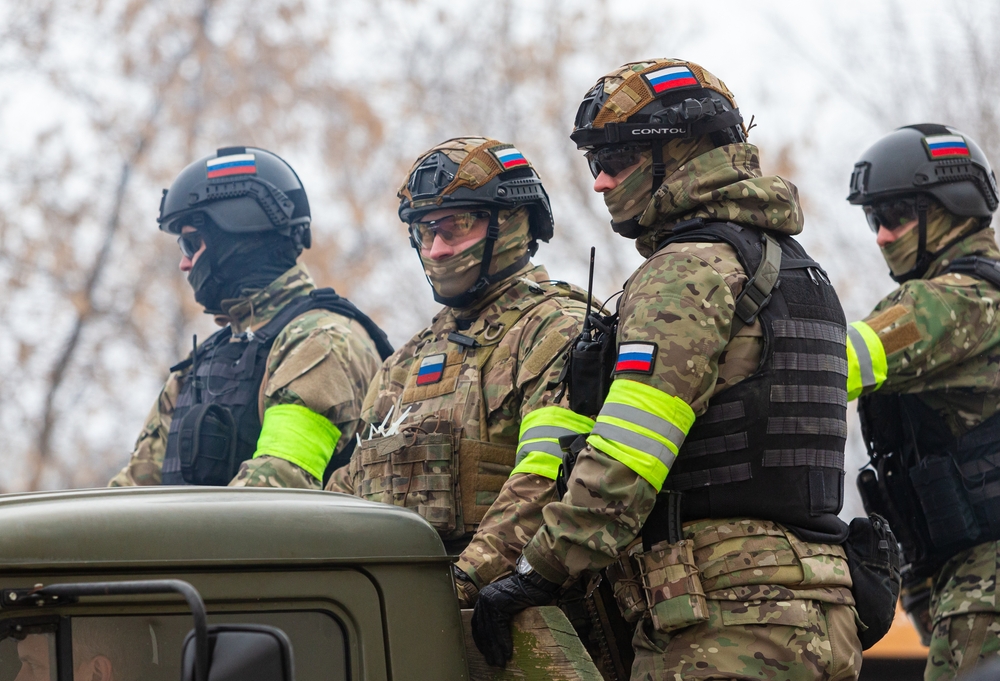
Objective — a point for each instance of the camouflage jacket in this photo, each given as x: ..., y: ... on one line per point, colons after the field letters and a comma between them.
x: 682, y: 300
x: 454, y: 397
x: 320, y: 360
x: 939, y: 337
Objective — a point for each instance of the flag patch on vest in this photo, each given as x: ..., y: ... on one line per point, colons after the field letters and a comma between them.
x: 510, y: 158
x: 946, y: 146
x: 431, y: 369
x: 636, y: 357
x: 670, y: 78
x: 234, y: 164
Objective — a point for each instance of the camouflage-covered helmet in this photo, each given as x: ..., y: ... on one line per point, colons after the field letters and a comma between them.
x: 657, y: 99
x: 927, y: 159
x: 243, y: 190
x: 475, y: 172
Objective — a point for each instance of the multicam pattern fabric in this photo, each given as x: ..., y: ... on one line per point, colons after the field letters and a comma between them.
x: 941, y: 335
x: 476, y: 408
x: 321, y: 361
x: 683, y: 299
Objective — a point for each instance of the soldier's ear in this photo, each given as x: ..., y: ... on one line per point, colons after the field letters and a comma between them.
x: 100, y: 669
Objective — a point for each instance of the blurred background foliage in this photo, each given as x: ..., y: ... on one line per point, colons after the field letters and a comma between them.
x: 102, y: 102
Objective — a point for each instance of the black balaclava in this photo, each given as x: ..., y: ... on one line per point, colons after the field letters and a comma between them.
x: 233, y: 264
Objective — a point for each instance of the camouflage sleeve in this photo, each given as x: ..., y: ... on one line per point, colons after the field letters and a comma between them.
x: 926, y: 327
x: 678, y: 310
x: 146, y: 461
x: 517, y: 513
x: 323, y: 362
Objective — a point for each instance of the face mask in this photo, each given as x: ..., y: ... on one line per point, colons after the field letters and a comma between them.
x: 901, y: 254
x: 632, y: 195
x: 207, y: 290
x: 456, y: 274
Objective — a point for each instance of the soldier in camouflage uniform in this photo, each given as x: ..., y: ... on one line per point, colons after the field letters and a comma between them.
x: 927, y: 362
x: 465, y: 422
x: 270, y: 399
x: 732, y: 385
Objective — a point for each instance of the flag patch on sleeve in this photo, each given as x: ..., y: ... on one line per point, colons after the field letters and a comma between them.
x: 670, y: 78
x: 636, y: 357
x: 234, y: 164
x: 946, y: 146
x: 431, y: 369
x: 510, y: 158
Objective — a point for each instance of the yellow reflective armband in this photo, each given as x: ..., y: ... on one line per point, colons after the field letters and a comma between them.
x: 299, y: 435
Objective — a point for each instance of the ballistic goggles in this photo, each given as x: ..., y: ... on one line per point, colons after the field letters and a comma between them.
x: 614, y: 158
x: 451, y: 229
x: 891, y: 214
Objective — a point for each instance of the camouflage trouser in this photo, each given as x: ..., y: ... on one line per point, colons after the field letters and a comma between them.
x: 960, y: 642
x: 802, y: 639
x: 964, y: 609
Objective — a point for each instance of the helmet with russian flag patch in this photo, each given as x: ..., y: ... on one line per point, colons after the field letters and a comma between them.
x: 475, y: 172
x: 927, y: 159
x: 657, y: 100
x: 241, y: 190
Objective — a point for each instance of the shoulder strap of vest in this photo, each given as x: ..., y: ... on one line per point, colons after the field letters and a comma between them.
x: 322, y: 299
x: 977, y: 266
x: 217, y: 338
x: 488, y: 339
x: 756, y: 293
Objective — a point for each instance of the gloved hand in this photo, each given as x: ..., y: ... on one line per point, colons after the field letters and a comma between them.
x: 498, y: 603
x: 467, y: 590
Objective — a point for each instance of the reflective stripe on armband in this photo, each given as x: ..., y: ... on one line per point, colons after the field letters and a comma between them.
x: 538, y: 449
x: 643, y: 428
x: 866, y: 363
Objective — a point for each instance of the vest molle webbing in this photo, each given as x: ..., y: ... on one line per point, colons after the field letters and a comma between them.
x: 772, y: 446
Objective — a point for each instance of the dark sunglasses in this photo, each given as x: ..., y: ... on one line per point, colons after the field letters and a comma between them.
x: 890, y: 214
x: 190, y: 243
x: 451, y: 228
x: 614, y: 158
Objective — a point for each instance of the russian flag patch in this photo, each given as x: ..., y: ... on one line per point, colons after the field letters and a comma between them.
x: 637, y: 357
x: 234, y: 164
x: 670, y: 78
x: 509, y: 157
x: 431, y: 369
x: 946, y: 146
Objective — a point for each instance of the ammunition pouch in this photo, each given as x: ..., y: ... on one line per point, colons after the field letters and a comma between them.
x: 414, y: 469
x: 207, y: 445
x: 951, y: 522
x: 873, y: 558
x: 419, y: 468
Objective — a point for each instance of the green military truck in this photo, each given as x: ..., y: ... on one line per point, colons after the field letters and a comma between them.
x: 223, y: 584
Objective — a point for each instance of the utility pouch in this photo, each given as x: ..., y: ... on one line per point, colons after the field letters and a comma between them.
x: 207, y: 445
x: 672, y: 586
x: 571, y: 445
x: 951, y: 520
x: 626, y: 583
x: 873, y: 558
x: 414, y: 469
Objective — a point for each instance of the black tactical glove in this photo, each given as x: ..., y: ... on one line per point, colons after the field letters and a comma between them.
x: 499, y: 602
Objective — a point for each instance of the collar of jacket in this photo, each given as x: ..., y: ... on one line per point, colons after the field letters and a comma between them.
x: 258, y: 307
x: 982, y: 243
x: 725, y: 184
x: 501, y: 296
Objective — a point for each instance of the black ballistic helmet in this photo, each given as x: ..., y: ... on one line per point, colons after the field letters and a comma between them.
x: 242, y: 190
x: 927, y: 160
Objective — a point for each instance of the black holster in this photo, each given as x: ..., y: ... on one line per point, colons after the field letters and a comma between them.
x: 207, y: 446
x: 873, y: 558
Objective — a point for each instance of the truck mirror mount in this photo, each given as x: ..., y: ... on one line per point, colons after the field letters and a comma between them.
x: 242, y: 652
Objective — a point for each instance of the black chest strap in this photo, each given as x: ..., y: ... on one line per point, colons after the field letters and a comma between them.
x: 977, y: 266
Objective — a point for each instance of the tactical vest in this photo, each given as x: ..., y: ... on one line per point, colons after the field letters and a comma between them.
x: 940, y: 493
x: 441, y: 462
x: 216, y: 421
x: 772, y: 446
